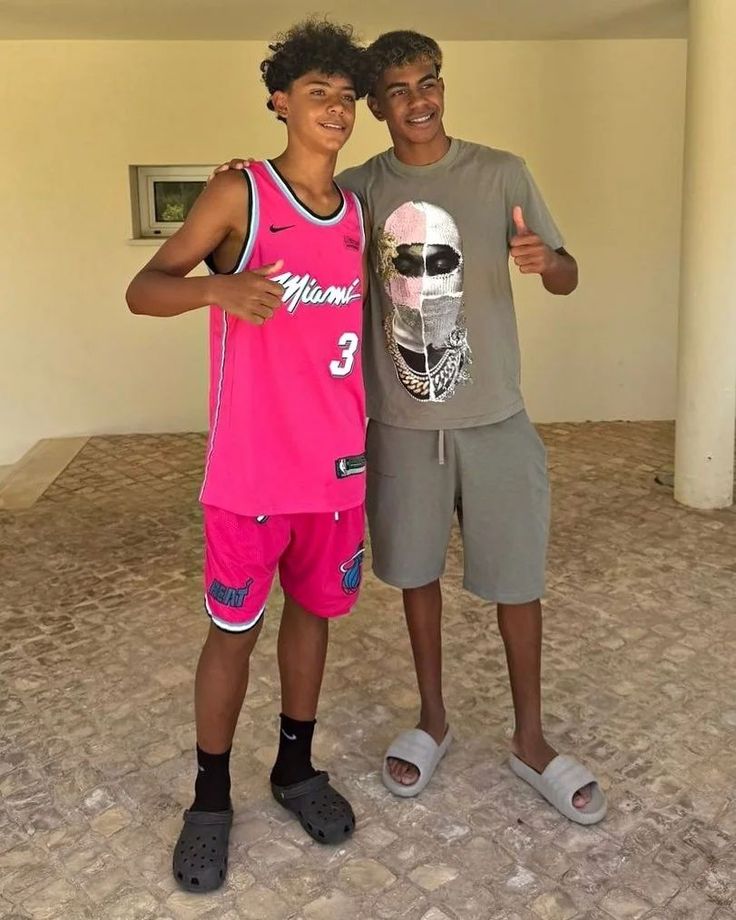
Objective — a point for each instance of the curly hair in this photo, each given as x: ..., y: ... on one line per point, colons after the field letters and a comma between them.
x: 315, y: 44
x: 396, y: 49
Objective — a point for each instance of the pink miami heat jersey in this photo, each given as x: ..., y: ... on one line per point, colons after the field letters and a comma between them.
x: 287, y: 406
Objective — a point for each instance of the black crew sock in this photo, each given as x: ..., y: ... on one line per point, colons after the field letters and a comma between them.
x: 294, y: 760
x: 212, y: 786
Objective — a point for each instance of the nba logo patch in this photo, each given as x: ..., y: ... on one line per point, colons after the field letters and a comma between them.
x: 352, y: 571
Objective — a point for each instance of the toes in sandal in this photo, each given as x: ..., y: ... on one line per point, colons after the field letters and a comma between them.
x: 323, y: 813
x: 200, y: 854
x: 419, y: 749
x: 561, y: 779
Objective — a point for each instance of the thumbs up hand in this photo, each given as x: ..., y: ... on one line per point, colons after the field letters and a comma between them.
x: 250, y: 295
x: 529, y: 251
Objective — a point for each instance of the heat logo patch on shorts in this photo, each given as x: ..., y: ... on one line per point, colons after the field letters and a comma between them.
x: 229, y: 597
x: 352, y: 571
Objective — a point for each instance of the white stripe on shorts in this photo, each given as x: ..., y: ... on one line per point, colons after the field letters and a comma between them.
x: 232, y: 627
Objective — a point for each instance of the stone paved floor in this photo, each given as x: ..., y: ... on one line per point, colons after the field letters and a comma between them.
x: 100, y: 628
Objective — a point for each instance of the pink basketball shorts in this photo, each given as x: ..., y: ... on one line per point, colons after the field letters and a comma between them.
x: 319, y: 558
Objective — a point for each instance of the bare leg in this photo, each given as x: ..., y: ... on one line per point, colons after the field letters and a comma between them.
x: 220, y: 685
x: 521, y: 630
x: 302, y: 651
x: 423, y: 609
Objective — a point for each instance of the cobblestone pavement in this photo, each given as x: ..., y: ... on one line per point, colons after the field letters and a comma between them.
x: 101, y: 626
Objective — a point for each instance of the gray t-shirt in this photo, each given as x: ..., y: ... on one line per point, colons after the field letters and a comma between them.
x: 441, y: 346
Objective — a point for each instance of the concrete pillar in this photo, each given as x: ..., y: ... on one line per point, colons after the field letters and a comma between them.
x: 706, y: 398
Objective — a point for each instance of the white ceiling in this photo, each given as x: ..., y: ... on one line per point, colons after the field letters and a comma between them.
x: 247, y: 19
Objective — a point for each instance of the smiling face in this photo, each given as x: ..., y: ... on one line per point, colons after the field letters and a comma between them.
x: 411, y: 100
x: 319, y: 109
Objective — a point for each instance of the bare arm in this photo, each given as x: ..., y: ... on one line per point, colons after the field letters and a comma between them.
x: 558, y: 269
x: 216, y: 221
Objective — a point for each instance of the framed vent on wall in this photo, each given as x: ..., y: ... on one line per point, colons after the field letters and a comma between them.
x: 161, y: 197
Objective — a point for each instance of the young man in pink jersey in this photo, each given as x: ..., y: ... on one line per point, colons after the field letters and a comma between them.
x: 284, y: 480
x: 448, y: 433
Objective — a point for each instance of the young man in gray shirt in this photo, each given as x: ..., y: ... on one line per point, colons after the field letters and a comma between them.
x: 448, y: 433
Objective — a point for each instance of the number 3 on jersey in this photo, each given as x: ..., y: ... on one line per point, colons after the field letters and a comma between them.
x: 349, y: 343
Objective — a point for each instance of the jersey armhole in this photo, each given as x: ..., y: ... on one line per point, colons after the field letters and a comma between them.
x: 361, y: 220
x: 249, y: 237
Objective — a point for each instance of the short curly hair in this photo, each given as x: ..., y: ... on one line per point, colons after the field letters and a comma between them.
x: 396, y: 49
x: 315, y: 44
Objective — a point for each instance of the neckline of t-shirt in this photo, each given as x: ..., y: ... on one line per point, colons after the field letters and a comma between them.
x: 405, y: 169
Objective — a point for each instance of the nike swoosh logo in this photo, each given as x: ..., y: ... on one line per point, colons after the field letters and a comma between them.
x: 288, y: 736
x: 275, y: 229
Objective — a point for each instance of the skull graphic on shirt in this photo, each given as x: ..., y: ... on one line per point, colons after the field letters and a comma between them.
x: 420, y: 261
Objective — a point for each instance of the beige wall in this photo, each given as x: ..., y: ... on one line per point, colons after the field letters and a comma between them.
x: 600, y: 124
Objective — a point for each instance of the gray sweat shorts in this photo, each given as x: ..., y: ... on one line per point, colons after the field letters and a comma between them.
x: 494, y: 477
